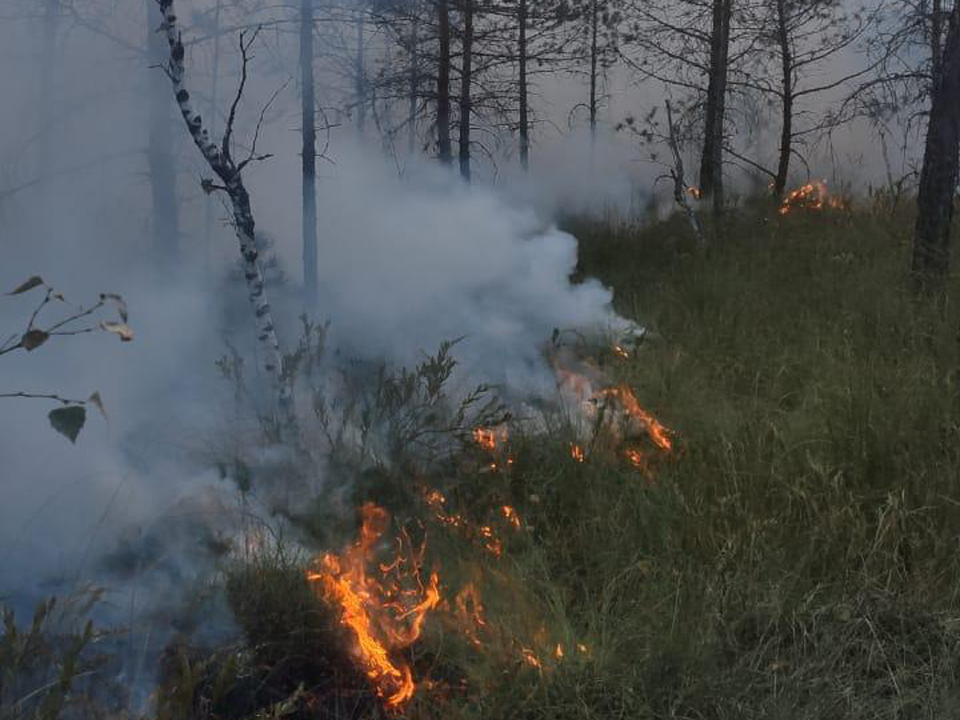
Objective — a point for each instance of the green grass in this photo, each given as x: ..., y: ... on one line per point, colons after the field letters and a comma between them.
x: 796, y: 556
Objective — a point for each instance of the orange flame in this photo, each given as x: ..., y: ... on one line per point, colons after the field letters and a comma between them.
x: 385, y: 615
x: 812, y: 196
x: 576, y: 452
x: 511, y: 515
x: 489, y: 438
x: 659, y: 434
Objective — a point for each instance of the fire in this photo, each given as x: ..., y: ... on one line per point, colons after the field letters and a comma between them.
x: 511, y: 516
x: 812, y: 196
x: 694, y: 192
x: 576, y: 452
x: 621, y: 352
x: 469, y: 613
x: 530, y: 658
x: 659, y: 434
x: 384, y: 614
x: 637, y: 458
x: 484, y: 536
x: 489, y: 438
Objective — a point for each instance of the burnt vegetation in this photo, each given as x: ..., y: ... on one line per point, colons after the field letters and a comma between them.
x: 742, y: 503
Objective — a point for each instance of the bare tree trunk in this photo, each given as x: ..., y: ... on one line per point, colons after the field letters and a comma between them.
x: 465, y: 80
x: 936, y: 41
x: 230, y: 173
x: 711, y: 162
x: 786, y: 115
x: 594, y: 53
x: 414, y: 81
x: 164, y: 223
x: 308, y: 156
x: 938, y: 178
x: 522, y: 61
x: 445, y: 147
x: 51, y: 21
x: 360, y: 80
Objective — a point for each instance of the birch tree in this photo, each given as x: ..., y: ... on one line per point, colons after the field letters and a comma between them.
x: 229, y: 172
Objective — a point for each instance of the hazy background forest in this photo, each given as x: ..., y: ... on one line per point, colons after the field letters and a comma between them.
x: 478, y: 359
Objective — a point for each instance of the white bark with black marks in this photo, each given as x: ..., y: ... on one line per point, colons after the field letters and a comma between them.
x: 221, y: 162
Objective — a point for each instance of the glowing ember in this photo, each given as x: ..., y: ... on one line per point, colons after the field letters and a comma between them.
x: 469, y: 613
x: 530, y: 657
x: 511, y: 516
x: 576, y: 452
x: 384, y: 614
x: 484, y: 536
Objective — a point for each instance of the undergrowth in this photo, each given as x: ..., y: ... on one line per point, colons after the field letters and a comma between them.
x: 794, y: 557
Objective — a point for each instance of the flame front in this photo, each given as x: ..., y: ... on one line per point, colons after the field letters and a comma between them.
x: 658, y: 433
x: 385, y: 614
x: 812, y: 196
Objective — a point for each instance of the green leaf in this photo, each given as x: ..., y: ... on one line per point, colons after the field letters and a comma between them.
x: 32, y: 339
x: 30, y: 284
x: 68, y: 421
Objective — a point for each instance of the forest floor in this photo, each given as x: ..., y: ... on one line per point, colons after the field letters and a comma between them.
x: 795, y: 555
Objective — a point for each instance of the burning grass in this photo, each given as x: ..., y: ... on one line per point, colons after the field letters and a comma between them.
x: 754, y: 517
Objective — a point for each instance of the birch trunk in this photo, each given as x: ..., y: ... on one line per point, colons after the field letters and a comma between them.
x: 221, y: 162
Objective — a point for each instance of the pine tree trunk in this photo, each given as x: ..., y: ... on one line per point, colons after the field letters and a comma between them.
x: 522, y: 61
x: 938, y: 178
x: 594, y: 53
x: 444, y: 145
x: 786, y: 116
x: 465, y: 80
x: 711, y: 162
x: 936, y: 40
x: 308, y: 156
x: 51, y: 21
x: 360, y: 79
x: 164, y: 222
x: 414, y: 82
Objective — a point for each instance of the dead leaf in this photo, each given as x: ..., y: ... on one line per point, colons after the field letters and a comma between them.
x: 32, y: 339
x: 30, y: 284
x: 118, y: 301
x: 120, y: 329
x: 96, y: 400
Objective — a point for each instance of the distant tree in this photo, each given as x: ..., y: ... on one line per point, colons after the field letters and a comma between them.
x: 711, y: 159
x: 308, y: 154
